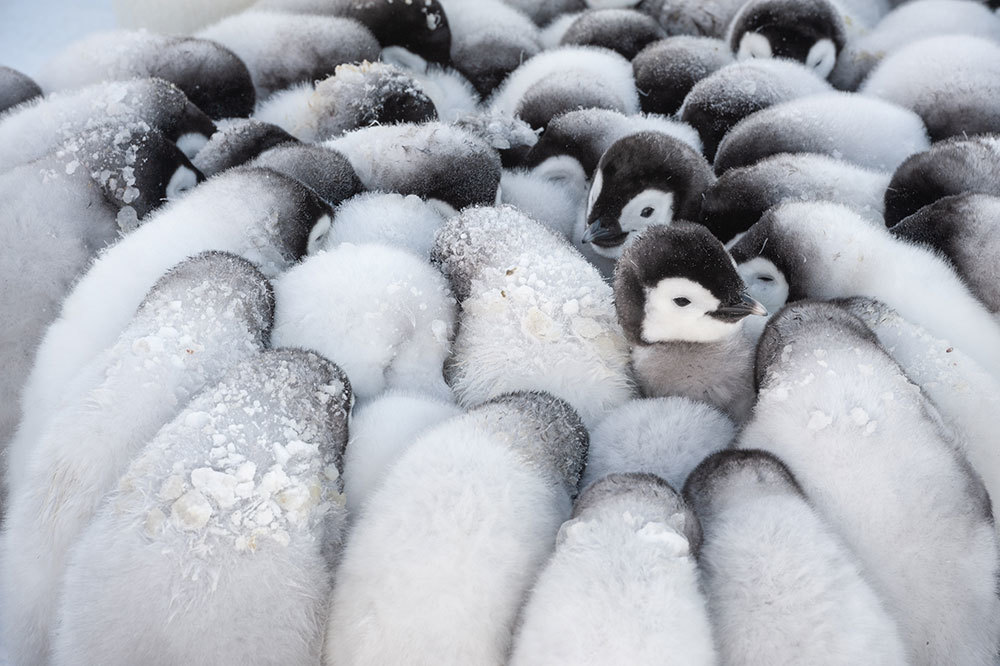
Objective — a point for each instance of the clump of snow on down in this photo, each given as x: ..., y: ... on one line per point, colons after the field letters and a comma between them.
x: 535, y: 315
x: 236, y: 504
x: 281, y: 49
x: 864, y: 130
x: 908, y: 23
x: 234, y: 141
x: 667, y: 437
x: 381, y: 431
x: 429, y: 160
x: 253, y: 213
x: 952, y: 82
x: 381, y: 313
x: 200, y: 319
x: 353, y: 97
x: 605, y: 72
x: 36, y: 128
x: 471, y: 507
x: 405, y: 222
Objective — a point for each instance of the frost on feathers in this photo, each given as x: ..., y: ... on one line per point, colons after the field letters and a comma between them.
x: 535, y: 315
x: 237, y: 141
x: 951, y: 82
x: 202, y: 317
x: 864, y: 130
x: 255, y: 213
x: 665, y: 71
x: 381, y: 431
x: 441, y: 557
x: 667, y: 437
x: 432, y: 160
x: 357, y: 95
x: 326, y: 172
x: 622, y: 585
x: 210, y: 75
x: 452, y: 94
x: 405, y: 222
x: 282, y: 49
x: 236, y: 504
x: 385, y: 316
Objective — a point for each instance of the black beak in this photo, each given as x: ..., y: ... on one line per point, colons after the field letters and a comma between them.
x: 735, y: 311
x: 603, y: 236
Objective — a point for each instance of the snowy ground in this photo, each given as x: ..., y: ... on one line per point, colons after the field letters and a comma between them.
x: 33, y: 30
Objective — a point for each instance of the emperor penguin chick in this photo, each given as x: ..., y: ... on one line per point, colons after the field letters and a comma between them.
x: 634, y: 530
x: 406, y: 222
x: 202, y: 317
x: 255, y: 213
x: 682, y: 306
x: 535, y: 315
x: 667, y: 437
x: 666, y: 70
x: 404, y: 306
x: 236, y: 142
x: 326, y: 172
x: 15, y: 88
x: 236, y: 504
x: 824, y: 250
x: 444, y: 552
x: 869, y: 451
x: 782, y: 586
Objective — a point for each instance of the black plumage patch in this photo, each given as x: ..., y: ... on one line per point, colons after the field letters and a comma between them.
x: 791, y: 27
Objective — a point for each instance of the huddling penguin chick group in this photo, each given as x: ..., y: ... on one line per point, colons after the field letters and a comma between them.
x: 476, y: 332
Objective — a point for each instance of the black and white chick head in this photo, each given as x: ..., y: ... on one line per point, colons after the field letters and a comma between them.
x: 677, y: 283
x: 810, y: 31
x: 643, y: 179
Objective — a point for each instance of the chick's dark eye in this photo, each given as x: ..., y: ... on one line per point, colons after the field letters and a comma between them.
x: 765, y: 278
x: 682, y: 302
x: 646, y: 212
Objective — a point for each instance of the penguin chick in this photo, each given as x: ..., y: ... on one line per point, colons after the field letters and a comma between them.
x: 444, y: 552
x: 731, y: 93
x: 355, y: 96
x: 682, y: 307
x: 824, y: 250
x: 812, y: 32
x: 553, y: 194
x: 952, y: 166
x: 565, y: 79
x: 283, y: 49
x: 326, y: 172
x: 211, y: 76
x: 202, y: 317
x: 236, y: 504
x: 706, y: 18
x: 663, y: 436
x: 965, y: 395
x: 623, y: 30
x: 586, y: 134
x: 420, y: 27
x: 543, y: 12
x: 949, y: 81
x: 782, y: 586
x: 452, y: 94
x: 236, y: 142
x: 381, y: 431
x: 432, y: 161
x: 643, y: 180
x: 404, y: 222
x: 908, y: 23
x: 255, y: 213
x: 16, y: 88
x: 405, y: 305
x: 965, y: 229
x: 632, y: 529
x: 489, y: 40
x: 863, y: 130
x: 740, y: 196
x: 665, y: 71
x: 534, y: 315
x: 868, y: 450
x: 35, y: 129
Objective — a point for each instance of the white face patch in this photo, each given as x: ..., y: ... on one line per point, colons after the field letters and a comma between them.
x: 317, y: 237
x: 647, y: 208
x: 765, y: 283
x: 191, y: 143
x: 822, y: 57
x: 595, y: 191
x: 668, y: 319
x: 754, y: 45
x: 183, y: 180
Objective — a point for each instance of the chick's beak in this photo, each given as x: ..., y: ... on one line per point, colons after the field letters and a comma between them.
x: 602, y: 236
x: 742, y: 308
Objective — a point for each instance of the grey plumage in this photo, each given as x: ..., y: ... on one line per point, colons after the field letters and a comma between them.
x: 15, y: 88
x: 238, y: 141
x: 665, y: 71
